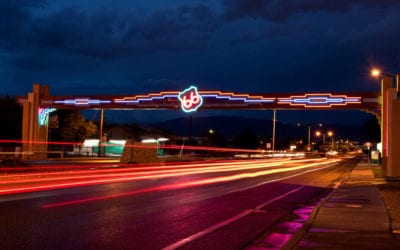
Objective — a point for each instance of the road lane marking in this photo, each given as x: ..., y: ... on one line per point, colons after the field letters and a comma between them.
x: 226, y: 222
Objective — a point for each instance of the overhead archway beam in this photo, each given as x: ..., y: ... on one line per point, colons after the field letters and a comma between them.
x: 368, y: 101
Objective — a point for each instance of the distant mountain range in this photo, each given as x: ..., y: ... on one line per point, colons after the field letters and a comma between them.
x: 229, y: 126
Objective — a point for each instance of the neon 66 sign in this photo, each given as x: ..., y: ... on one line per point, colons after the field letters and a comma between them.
x: 190, y: 99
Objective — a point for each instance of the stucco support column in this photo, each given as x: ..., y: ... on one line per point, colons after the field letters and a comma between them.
x: 393, y: 163
x: 34, y: 134
x: 386, y: 85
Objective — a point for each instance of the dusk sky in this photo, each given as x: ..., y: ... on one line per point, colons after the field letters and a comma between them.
x: 261, y: 46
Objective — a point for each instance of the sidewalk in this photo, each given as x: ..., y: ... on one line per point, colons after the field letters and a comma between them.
x: 352, y: 217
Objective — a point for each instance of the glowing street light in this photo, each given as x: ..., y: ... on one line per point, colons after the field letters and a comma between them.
x: 378, y: 73
x: 375, y: 72
x: 330, y: 134
x: 318, y: 134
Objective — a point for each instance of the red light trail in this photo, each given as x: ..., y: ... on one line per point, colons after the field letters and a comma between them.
x: 19, y: 183
x: 178, y: 147
x: 188, y: 184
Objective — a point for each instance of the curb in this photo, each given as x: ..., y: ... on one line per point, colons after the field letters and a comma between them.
x: 299, y: 235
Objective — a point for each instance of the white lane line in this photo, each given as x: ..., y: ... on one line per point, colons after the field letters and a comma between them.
x: 226, y: 222
x: 247, y: 212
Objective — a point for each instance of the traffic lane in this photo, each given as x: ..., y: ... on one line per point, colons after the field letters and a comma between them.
x: 118, y: 224
x: 243, y: 232
x: 119, y: 211
x: 89, y: 224
x: 21, y: 203
x: 299, y: 208
x: 96, y: 191
x: 85, y: 194
x: 39, y: 199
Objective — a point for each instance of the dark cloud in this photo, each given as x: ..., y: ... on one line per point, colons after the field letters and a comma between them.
x: 105, y: 33
x: 284, y: 45
x: 188, y: 27
x: 15, y: 16
x: 280, y: 11
x: 31, y: 62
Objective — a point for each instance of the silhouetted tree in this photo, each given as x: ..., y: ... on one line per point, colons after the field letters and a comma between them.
x: 72, y: 127
x: 10, y: 118
x: 246, y: 139
x: 214, y: 139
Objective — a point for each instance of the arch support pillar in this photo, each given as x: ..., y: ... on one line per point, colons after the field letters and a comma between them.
x: 390, y: 134
x: 393, y: 161
x: 34, y: 129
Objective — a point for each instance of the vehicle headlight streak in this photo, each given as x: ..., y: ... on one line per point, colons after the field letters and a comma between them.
x: 142, y: 176
x: 177, y: 185
x: 96, y: 179
x: 144, y: 172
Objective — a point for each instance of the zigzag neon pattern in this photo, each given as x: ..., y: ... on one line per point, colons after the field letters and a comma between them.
x: 311, y: 100
x: 82, y: 102
x: 246, y: 98
x: 323, y: 100
x: 149, y: 97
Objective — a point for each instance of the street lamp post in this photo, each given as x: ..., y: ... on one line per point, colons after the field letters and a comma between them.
x: 309, y: 138
x: 309, y: 134
x: 330, y: 134
x: 101, y: 133
x: 389, y: 122
x: 273, y: 131
x: 318, y: 134
x: 395, y: 77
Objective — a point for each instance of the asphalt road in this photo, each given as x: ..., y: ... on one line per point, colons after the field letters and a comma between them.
x: 223, y: 205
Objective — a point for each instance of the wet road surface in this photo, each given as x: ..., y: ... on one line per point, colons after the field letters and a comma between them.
x: 200, y: 209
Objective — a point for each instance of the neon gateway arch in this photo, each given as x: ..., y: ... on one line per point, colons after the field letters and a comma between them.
x: 193, y: 99
x: 37, y: 105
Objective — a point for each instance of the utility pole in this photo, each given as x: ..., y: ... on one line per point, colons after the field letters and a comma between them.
x: 273, y: 131
x: 309, y: 138
x: 101, y: 132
